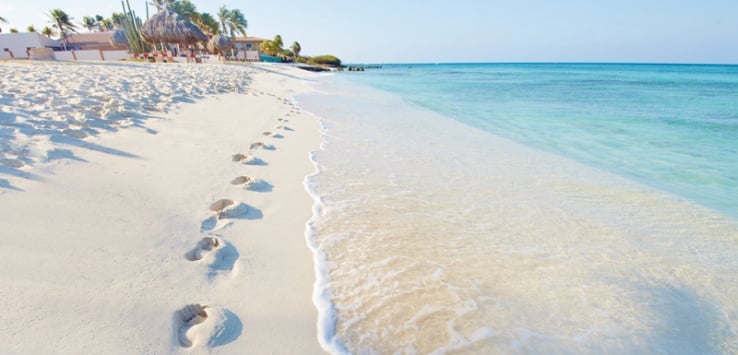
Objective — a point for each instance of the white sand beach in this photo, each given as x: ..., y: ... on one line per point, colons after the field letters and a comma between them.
x: 107, y: 177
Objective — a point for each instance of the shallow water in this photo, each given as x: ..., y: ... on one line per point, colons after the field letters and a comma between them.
x: 438, y: 237
x: 673, y: 127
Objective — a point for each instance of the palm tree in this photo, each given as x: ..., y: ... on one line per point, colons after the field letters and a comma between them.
x: 106, y: 25
x: 296, y: 49
x: 99, y: 21
x: 232, y: 21
x: 277, y: 41
x: 185, y: 8
x: 223, y: 15
x: 237, y: 22
x: 89, y: 22
x: 47, y: 31
x: 62, y: 22
x: 2, y: 20
x: 207, y: 23
x: 118, y: 19
x: 31, y: 28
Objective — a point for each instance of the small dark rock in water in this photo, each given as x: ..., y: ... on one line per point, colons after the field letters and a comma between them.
x: 313, y: 68
x: 359, y: 67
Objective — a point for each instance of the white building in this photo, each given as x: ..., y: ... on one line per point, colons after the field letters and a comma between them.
x: 17, y: 45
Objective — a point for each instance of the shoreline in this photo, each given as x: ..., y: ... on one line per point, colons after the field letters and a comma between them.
x: 107, y: 228
x: 454, y: 239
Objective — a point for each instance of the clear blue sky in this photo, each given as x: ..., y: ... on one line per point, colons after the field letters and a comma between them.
x: 683, y: 31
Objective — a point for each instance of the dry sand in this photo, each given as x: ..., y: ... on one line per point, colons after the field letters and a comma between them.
x: 107, y: 177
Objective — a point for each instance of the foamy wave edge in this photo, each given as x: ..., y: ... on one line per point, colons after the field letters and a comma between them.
x: 321, y: 288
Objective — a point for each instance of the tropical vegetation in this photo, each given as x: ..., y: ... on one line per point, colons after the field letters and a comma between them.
x: 232, y: 21
x: 47, y: 31
x: 63, y: 23
x: 226, y: 22
x: 273, y: 47
x: 207, y: 23
x: 130, y: 23
x: 97, y: 23
x: 329, y: 60
x: 296, y: 48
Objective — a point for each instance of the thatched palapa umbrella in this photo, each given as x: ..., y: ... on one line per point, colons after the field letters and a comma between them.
x: 219, y: 44
x: 166, y: 26
x: 119, y: 39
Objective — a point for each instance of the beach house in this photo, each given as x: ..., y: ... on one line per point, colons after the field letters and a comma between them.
x: 19, y: 45
x: 248, y: 47
x: 91, y: 41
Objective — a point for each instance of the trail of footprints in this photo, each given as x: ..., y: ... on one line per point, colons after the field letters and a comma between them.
x: 213, y: 249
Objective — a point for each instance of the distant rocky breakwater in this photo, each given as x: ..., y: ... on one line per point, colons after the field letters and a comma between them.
x: 340, y: 68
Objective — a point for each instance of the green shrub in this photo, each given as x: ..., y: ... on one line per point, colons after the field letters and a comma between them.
x: 327, y: 59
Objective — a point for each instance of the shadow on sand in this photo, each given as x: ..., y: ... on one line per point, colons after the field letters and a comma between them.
x: 225, y: 260
x: 213, y: 223
x: 260, y: 186
x: 226, y: 332
x: 5, y: 184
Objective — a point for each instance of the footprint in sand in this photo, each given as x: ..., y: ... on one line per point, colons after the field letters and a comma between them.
x: 247, y: 159
x: 223, y: 263
x: 252, y: 184
x: 282, y: 119
x: 243, y: 180
x: 195, y: 323
x: 226, y: 209
x: 223, y: 259
x: 239, y: 157
x: 261, y: 145
x: 285, y: 128
x: 273, y: 135
x: 204, y: 247
x: 255, y: 161
x: 187, y: 320
x: 257, y: 145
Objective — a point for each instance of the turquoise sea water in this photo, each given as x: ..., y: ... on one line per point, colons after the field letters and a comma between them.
x: 527, y: 208
x: 674, y: 127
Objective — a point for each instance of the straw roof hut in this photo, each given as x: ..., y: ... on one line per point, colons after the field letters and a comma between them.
x: 119, y: 39
x: 166, y: 26
x: 219, y: 43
